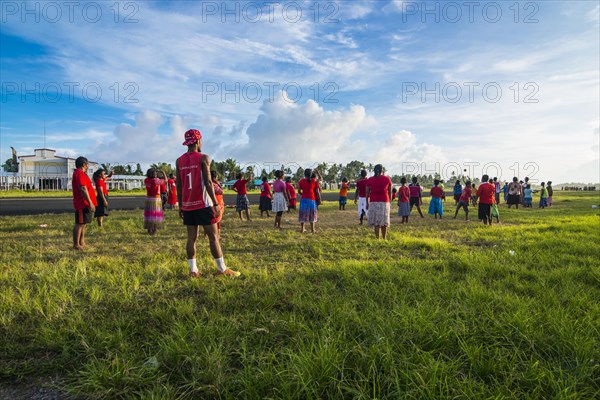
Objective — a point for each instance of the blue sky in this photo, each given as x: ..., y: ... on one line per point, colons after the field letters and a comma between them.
x: 509, y: 88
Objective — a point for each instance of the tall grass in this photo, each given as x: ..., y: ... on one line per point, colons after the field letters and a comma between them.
x: 443, y: 309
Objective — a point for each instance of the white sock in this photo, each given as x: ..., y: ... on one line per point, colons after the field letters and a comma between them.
x: 192, y: 264
x: 220, y: 264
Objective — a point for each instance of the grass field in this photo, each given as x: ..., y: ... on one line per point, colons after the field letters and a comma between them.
x: 13, y: 193
x: 443, y: 309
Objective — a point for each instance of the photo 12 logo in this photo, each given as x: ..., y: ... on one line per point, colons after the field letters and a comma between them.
x: 470, y: 11
x: 55, y: 92
x: 472, y: 170
x: 270, y: 11
x: 254, y: 92
x: 69, y: 11
x: 454, y: 92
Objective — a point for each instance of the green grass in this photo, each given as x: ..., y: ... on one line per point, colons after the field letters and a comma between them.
x: 441, y: 310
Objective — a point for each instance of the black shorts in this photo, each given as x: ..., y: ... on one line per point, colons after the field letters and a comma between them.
x: 485, y: 212
x: 203, y: 217
x: 414, y: 201
x: 83, y: 217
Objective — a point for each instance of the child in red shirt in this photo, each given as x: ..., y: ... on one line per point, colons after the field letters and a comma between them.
x: 100, y: 179
x: 242, y: 203
x: 266, y: 203
x: 404, y: 201
x: 464, y: 200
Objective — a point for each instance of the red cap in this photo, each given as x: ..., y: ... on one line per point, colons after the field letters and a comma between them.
x: 192, y: 136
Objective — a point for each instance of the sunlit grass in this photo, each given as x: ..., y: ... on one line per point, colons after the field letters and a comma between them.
x: 443, y: 309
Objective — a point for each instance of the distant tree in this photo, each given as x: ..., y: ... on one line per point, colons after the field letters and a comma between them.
x: 10, y: 166
x: 119, y: 169
x: 162, y: 166
x: 106, y: 166
x: 232, y: 168
x: 352, y: 169
x: 299, y: 174
x: 333, y: 173
x: 138, y: 170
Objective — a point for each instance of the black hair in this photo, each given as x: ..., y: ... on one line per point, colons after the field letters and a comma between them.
x: 213, y: 174
x: 97, y: 174
x: 468, y: 183
x: 415, y: 179
x: 171, y: 175
x: 307, y: 174
x: 288, y: 179
x: 264, y: 179
x: 403, y: 180
x: 394, y: 190
x: 344, y: 179
x: 239, y: 175
x: 485, y: 178
x: 436, y: 182
x: 490, y: 180
x: 363, y: 172
x: 278, y: 174
x: 80, y: 162
x: 495, y: 179
x: 151, y: 173
x: 457, y: 183
x: 378, y: 169
x: 515, y: 179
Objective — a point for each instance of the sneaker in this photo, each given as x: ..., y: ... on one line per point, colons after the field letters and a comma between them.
x: 194, y: 274
x: 229, y: 272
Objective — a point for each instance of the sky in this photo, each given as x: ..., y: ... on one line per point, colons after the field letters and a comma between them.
x: 508, y: 88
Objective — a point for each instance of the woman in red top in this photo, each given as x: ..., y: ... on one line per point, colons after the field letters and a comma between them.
x: 379, y: 193
x: 308, y: 205
x: 100, y: 179
x: 172, y: 200
x: 153, y: 213
x: 291, y: 192
x: 265, y: 203
x: 404, y: 201
x: 437, y: 194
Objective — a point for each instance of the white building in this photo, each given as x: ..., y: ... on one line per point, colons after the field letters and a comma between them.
x: 46, y: 171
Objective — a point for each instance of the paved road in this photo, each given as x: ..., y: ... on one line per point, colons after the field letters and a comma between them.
x: 54, y: 205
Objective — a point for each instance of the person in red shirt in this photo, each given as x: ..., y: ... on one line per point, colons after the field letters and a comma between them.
x: 416, y: 195
x: 265, y: 201
x: 198, y: 204
x: 379, y: 193
x: 172, y: 200
x: 485, y: 195
x: 437, y: 194
x: 100, y: 179
x: 291, y: 192
x: 84, y: 201
x: 464, y: 200
x: 308, y: 204
x: 154, y: 216
x: 219, y: 196
x: 242, y: 203
x: 361, y: 195
x: 164, y: 190
x: 404, y: 201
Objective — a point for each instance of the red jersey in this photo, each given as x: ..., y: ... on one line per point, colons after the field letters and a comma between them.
x: 486, y: 193
x: 163, y: 187
x: 101, y: 185
x: 437, y: 192
x: 361, y: 185
x: 466, y: 195
x: 403, y: 194
x: 265, y: 190
x: 290, y: 189
x: 240, y: 186
x: 152, y: 186
x: 308, y: 188
x: 194, y: 195
x: 378, y: 186
x: 80, y: 179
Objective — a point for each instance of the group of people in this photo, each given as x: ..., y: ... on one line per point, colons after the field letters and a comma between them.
x: 521, y: 193
x: 199, y: 195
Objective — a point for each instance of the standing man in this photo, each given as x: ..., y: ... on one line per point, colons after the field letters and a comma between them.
x: 361, y: 195
x: 197, y: 202
x: 497, y: 189
x: 84, y: 201
x: 486, y: 196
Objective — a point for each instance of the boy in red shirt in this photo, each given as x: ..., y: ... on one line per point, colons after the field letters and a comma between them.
x: 361, y: 195
x: 84, y: 202
x: 464, y: 200
x: 437, y: 194
x: 242, y: 203
x: 485, y: 195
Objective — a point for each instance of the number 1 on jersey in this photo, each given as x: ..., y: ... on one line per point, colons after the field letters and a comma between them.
x: 190, y: 179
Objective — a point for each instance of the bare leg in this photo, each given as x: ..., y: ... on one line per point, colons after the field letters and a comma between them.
x: 82, y: 236
x: 76, y: 236
x: 213, y: 237
x: 190, y: 247
x: 312, y: 227
x: 302, y: 230
x: 248, y: 214
x: 376, y: 232
x: 384, y: 232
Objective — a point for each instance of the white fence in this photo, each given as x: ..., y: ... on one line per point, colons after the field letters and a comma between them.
x: 57, y: 183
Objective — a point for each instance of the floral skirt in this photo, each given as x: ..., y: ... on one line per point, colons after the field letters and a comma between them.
x: 279, y: 203
x: 153, y: 213
x: 379, y: 213
x: 308, y: 211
